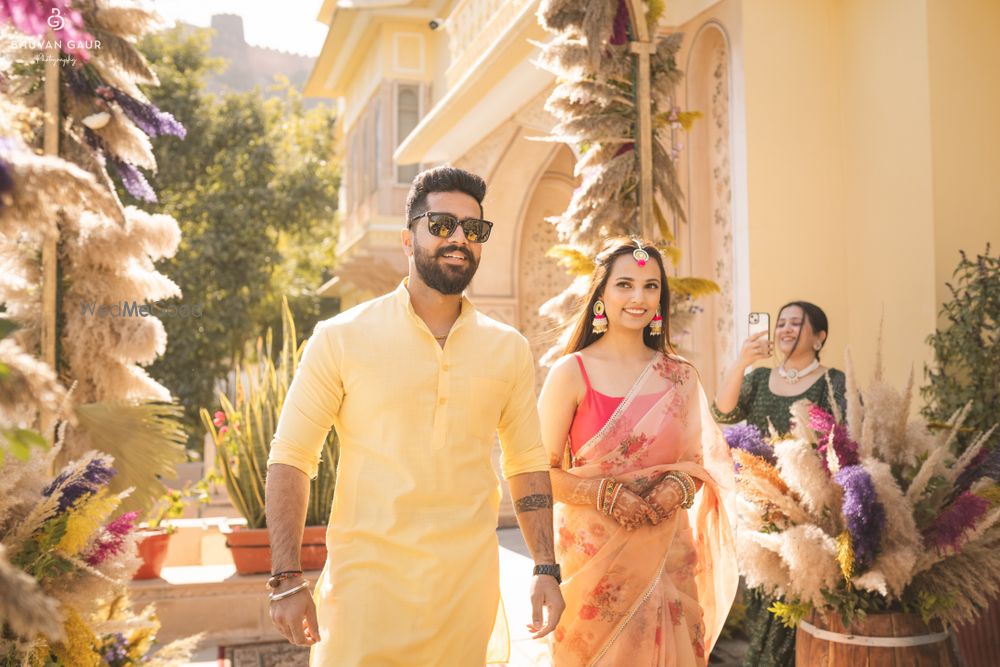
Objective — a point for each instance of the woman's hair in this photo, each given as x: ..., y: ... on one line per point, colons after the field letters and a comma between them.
x: 817, y: 320
x: 622, y: 246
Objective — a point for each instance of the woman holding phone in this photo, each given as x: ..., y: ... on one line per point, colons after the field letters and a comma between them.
x: 764, y: 398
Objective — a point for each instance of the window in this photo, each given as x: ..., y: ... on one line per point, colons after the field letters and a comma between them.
x: 407, y: 117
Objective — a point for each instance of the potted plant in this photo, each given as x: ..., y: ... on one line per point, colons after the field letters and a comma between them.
x: 964, y: 372
x: 154, y: 533
x: 242, y: 430
x: 869, y: 527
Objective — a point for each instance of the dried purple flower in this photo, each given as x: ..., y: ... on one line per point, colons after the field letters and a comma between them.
x: 6, y: 179
x: 112, y: 538
x: 133, y: 180
x: 114, y: 650
x: 749, y: 439
x: 951, y: 524
x: 147, y: 117
x: 97, y: 473
x: 863, y: 514
x: 619, y: 33
x: 829, y: 432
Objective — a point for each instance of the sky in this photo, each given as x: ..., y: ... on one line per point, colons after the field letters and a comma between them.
x: 288, y: 25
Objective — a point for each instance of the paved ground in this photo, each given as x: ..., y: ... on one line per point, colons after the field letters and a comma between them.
x: 515, y: 575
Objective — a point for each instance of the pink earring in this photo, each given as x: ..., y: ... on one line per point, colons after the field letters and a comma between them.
x: 600, y: 322
x: 656, y: 325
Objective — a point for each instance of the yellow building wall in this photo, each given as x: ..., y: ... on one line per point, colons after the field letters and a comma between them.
x: 872, y: 150
x: 795, y: 186
x: 964, y: 49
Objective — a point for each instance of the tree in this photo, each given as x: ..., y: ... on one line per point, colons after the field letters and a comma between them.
x: 254, y: 188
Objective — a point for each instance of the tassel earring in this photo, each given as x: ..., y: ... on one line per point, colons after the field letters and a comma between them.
x: 600, y: 322
x: 656, y: 325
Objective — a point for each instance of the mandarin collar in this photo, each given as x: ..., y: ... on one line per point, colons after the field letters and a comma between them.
x: 402, y: 296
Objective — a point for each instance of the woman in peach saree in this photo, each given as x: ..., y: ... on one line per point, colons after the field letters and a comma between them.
x: 641, y: 475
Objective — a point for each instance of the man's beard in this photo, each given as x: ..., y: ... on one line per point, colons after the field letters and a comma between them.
x: 445, y: 279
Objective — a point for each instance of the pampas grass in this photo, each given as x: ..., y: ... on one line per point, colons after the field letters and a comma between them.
x: 909, y: 527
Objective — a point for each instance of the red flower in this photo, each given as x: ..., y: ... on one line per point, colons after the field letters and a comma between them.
x: 223, y: 431
x: 566, y: 535
x: 560, y: 634
x: 588, y: 612
x: 675, y: 612
x: 219, y: 418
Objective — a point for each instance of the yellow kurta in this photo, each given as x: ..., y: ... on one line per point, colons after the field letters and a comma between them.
x: 412, y: 575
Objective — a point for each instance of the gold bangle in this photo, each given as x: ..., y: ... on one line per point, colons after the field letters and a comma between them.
x: 600, y: 492
x: 609, y: 492
x: 614, y: 498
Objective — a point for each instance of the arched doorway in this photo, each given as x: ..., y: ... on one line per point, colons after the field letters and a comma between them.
x: 540, y: 277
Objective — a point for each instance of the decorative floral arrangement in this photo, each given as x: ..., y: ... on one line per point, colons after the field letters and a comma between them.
x: 65, y: 564
x: 874, y: 513
x: 595, y: 102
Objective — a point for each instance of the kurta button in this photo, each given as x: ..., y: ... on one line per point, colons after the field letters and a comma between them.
x: 445, y: 367
x: 442, y: 401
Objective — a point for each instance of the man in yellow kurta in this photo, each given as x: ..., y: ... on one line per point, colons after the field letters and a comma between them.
x: 416, y: 383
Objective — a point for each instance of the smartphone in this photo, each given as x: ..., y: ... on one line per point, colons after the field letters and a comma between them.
x: 759, y: 322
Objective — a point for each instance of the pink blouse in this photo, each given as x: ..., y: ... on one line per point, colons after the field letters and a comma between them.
x: 594, y: 411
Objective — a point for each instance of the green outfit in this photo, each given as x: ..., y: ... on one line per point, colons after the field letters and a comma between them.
x: 771, y: 643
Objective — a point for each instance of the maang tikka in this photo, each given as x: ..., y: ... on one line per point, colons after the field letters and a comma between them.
x: 600, y: 322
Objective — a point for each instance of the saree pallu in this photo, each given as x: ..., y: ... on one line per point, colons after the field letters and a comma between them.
x: 655, y: 596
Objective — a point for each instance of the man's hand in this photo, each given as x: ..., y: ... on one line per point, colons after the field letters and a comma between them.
x: 295, y: 616
x: 545, y: 594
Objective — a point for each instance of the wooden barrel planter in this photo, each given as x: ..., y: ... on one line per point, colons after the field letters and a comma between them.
x: 979, y: 639
x: 881, y: 640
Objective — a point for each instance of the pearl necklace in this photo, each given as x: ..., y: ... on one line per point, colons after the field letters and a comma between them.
x: 792, y: 376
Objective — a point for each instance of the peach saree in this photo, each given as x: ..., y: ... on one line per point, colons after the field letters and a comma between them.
x: 656, y: 596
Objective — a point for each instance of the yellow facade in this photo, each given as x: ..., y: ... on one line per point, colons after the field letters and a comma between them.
x: 847, y: 152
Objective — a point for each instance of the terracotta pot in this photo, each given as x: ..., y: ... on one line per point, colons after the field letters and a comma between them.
x: 846, y: 646
x: 251, y: 549
x: 979, y: 639
x: 153, y: 551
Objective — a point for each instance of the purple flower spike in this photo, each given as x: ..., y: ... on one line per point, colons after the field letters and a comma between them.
x: 95, y: 475
x: 133, y: 180
x: 951, y: 524
x: 824, y: 424
x: 148, y: 118
x: 863, y: 514
x: 619, y: 33
x: 748, y: 438
x: 111, y: 541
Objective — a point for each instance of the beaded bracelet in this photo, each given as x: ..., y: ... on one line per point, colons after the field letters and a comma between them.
x: 278, y: 577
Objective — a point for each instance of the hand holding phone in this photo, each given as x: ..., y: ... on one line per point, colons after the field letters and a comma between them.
x: 757, y: 346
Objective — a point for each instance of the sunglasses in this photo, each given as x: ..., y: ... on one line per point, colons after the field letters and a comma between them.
x: 442, y: 225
